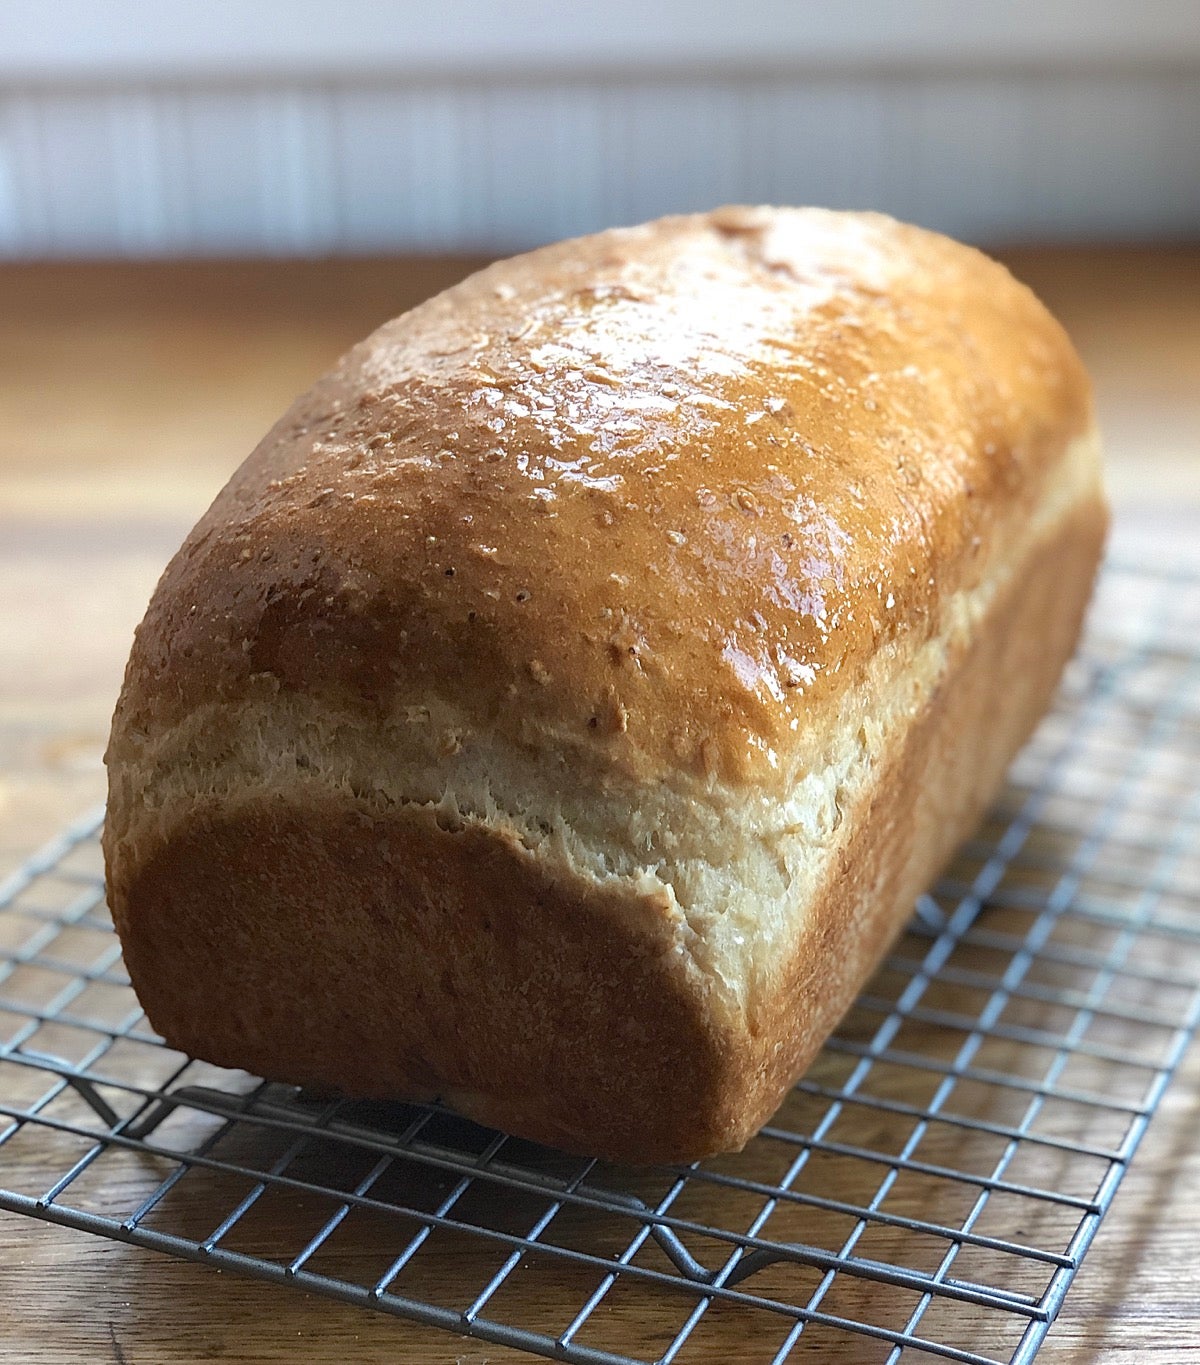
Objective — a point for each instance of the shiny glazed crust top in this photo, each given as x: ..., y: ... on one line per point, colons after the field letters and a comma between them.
x: 649, y: 499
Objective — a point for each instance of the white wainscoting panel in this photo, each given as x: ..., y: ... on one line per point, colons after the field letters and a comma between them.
x: 502, y: 161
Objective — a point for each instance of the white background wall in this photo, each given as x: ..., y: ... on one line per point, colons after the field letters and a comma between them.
x: 173, y: 126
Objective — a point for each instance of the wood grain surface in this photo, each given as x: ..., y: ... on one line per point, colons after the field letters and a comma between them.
x: 127, y: 395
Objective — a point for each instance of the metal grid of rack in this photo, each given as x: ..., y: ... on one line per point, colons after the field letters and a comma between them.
x: 930, y: 1187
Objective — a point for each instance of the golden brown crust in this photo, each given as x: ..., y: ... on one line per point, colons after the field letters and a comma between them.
x: 650, y: 496
x: 736, y: 555
x: 315, y: 941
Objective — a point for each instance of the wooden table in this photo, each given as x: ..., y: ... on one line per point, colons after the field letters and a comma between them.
x: 127, y: 394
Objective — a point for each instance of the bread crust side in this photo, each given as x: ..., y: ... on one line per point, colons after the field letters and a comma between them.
x: 932, y: 793
x: 314, y: 940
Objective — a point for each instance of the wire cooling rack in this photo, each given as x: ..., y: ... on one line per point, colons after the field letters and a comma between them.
x: 929, y: 1188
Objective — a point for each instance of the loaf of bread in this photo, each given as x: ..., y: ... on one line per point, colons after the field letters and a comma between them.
x: 560, y: 710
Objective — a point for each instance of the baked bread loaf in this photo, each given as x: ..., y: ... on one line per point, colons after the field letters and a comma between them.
x: 561, y: 708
